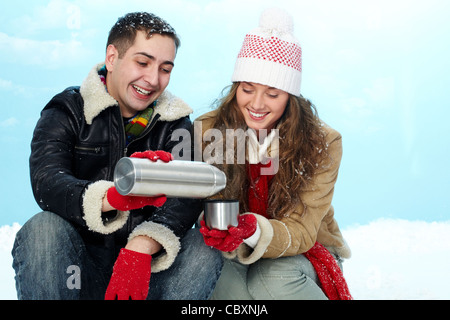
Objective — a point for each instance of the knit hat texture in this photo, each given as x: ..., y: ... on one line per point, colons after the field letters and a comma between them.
x: 270, y: 54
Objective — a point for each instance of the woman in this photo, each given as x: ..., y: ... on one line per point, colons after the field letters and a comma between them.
x: 287, y: 244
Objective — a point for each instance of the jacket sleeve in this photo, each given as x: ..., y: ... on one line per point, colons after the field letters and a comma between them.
x: 298, y: 232
x: 54, y: 185
x: 169, y: 223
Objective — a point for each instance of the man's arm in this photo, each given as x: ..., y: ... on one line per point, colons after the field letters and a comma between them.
x: 144, y: 244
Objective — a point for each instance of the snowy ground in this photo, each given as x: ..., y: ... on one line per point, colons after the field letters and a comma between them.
x: 392, y: 259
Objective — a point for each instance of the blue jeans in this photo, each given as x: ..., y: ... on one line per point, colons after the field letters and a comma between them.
x: 53, y: 263
x: 285, y: 278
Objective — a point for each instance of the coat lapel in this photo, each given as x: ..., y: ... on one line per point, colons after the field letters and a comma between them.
x: 96, y: 99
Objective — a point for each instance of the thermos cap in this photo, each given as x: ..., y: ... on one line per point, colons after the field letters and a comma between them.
x: 221, y: 214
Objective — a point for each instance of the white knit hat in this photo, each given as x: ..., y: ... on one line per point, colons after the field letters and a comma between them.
x: 271, y: 55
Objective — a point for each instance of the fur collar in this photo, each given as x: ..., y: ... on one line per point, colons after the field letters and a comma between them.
x: 96, y: 99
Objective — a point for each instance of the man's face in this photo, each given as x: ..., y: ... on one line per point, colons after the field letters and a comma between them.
x: 138, y: 78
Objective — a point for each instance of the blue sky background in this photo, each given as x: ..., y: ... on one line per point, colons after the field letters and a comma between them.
x: 378, y: 72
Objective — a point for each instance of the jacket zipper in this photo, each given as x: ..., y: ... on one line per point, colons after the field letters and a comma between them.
x: 95, y: 149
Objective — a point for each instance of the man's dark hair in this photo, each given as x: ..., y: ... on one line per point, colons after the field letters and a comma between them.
x: 123, y: 33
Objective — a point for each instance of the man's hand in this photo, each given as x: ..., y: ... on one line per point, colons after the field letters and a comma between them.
x: 132, y: 270
x: 153, y: 155
x: 131, y: 276
x: 115, y: 201
x: 125, y: 203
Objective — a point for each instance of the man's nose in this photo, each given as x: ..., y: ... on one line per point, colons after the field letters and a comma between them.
x: 151, y: 76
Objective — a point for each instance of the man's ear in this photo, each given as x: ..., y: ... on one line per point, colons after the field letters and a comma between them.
x: 111, y: 57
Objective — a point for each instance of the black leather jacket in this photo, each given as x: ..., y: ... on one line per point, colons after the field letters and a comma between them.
x: 75, y: 149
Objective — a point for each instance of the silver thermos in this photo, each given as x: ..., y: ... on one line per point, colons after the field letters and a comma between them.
x: 177, y: 178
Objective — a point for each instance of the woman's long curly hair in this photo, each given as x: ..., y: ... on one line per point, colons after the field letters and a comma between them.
x: 302, y: 151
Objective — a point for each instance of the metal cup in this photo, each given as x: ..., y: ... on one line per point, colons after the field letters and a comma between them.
x: 221, y: 214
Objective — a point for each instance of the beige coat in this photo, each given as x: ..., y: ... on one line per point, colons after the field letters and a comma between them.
x: 310, y: 222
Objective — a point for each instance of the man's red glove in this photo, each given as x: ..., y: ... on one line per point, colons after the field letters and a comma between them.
x: 153, y: 155
x: 125, y: 203
x: 131, y: 276
x: 229, y: 240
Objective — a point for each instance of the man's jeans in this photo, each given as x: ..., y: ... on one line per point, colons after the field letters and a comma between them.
x: 52, y: 262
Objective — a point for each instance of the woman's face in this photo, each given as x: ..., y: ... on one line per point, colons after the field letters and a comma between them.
x: 261, y: 105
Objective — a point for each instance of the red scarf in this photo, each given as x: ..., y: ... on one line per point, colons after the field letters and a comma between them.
x: 258, y: 192
x: 328, y: 271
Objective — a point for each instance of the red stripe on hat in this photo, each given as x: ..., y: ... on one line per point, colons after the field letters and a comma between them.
x: 272, y: 49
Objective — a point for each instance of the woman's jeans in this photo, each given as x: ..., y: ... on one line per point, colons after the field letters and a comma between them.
x: 52, y: 262
x: 286, y: 278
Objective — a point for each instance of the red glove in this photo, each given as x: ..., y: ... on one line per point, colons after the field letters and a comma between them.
x: 153, y: 155
x: 131, y: 276
x: 229, y: 240
x: 125, y: 203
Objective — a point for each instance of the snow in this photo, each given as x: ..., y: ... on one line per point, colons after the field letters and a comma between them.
x: 391, y: 259
x: 7, y: 284
x: 399, y: 259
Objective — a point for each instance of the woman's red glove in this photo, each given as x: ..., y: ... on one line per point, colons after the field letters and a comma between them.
x: 131, y: 276
x: 229, y: 240
x: 125, y: 203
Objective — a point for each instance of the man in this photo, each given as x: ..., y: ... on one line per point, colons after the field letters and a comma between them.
x: 90, y: 242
